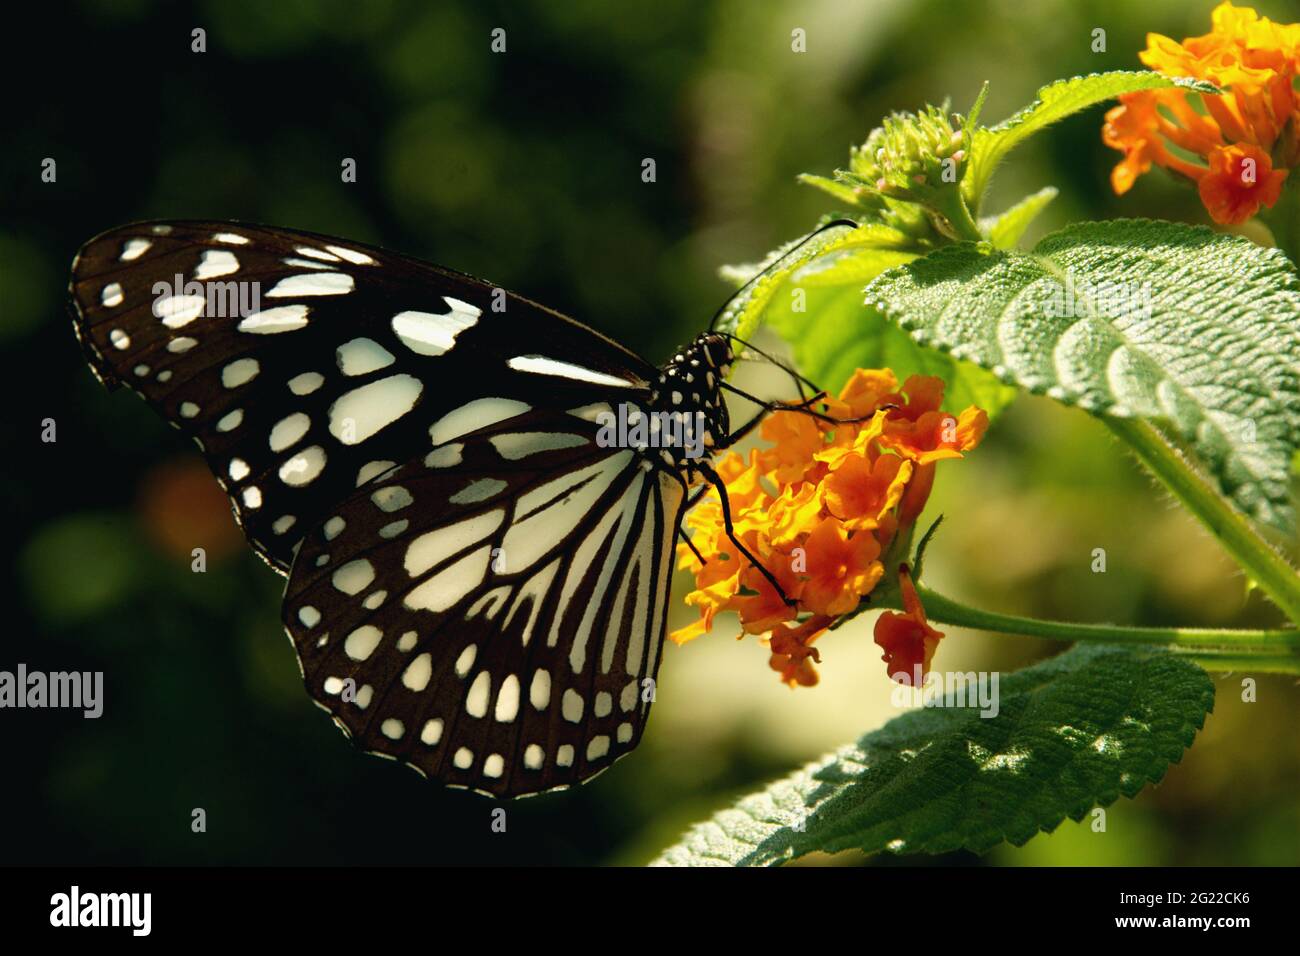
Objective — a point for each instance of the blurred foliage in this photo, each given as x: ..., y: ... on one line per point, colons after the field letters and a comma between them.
x: 524, y: 168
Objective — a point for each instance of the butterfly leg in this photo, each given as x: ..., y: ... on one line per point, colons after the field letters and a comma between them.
x: 716, y: 480
x: 767, y: 407
x: 691, y: 544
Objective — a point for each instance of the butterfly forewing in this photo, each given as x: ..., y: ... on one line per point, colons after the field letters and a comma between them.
x: 306, y: 365
x: 492, y: 613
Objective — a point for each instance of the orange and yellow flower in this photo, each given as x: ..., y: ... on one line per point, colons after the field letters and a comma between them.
x: 820, y: 509
x: 907, y: 639
x: 1246, y: 139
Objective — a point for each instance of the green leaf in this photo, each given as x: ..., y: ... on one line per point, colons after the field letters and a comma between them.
x: 1004, y: 231
x: 1055, y: 102
x: 842, y: 192
x: 835, y: 334
x: 1190, y: 328
x: 838, y: 334
x: 1071, y: 734
x: 743, y: 313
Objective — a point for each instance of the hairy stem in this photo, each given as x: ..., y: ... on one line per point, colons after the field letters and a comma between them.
x: 1265, y: 566
x: 1271, y: 651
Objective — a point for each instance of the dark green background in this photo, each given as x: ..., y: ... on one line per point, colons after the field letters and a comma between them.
x: 524, y: 168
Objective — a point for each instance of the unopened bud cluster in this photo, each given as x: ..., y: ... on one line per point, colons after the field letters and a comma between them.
x: 911, y: 156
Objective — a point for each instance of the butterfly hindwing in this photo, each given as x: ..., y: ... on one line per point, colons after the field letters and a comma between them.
x: 306, y: 365
x: 492, y: 612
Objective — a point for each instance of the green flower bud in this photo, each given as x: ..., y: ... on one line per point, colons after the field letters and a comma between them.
x: 915, y: 158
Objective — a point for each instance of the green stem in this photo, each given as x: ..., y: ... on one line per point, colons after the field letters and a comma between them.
x: 959, y: 217
x: 1283, y: 220
x: 1265, y: 566
x: 1270, y: 651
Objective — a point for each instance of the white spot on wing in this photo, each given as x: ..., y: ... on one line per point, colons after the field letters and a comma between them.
x: 418, y: 672
x: 474, y: 415
x: 571, y: 706
x: 508, y: 700
x: 289, y: 430
x: 240, y: 372
x: 517, y: 445
x: 434, y: 547
x: 354, y: 577
x: 540, y: 691
x: 359, y: 258
x: 304, y: 467
x: 444, y: 589
x: 284, y: 318
x: 311, y: 253
x: 480, y: 489
x: 444, y: 457
x: 362, y: 355
x: 178, y: 310
x: 231, y: 420
x: 216, y: 262
x: 312, y: 283
x: 393, y: 498
x: 431, y: 733
x: 476, y: 701
x: 372, y: 407
x: 373, y: 469
x: 306, y: 383
x: 541, y: 365
x: 111, y: 296
x: 361, y: 643
x: 428, y: 333
x: 134, y: 249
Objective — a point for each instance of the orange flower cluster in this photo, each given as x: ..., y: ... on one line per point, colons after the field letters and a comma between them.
x: 1248, y: 137
x: 820, y: 510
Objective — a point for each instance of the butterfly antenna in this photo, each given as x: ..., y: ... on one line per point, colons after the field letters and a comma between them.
x: 744, y: 289
x: 799, y: 379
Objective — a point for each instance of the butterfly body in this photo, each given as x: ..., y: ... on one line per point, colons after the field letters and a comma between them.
x: 477, y: 577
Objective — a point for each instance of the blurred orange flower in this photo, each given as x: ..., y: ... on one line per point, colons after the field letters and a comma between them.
x: 1255, y: 61
x: 820, y: 509
x: 182, y: 508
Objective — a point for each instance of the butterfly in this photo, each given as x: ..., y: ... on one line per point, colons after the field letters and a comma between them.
x: 477, y: 560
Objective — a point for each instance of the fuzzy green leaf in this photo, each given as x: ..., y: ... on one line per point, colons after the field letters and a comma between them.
x: 1196, y: 330
x: 834, y: 334
x: 837, y: 334
x: 1056, y: 101
x: 743, y: 313
x: 1004, y: 231
x: 1071, y: 734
